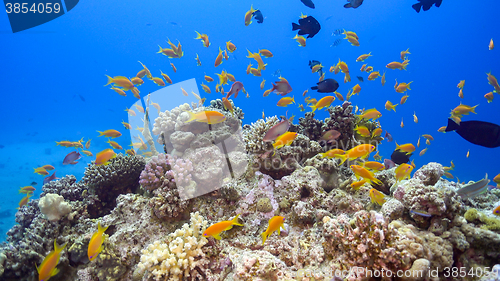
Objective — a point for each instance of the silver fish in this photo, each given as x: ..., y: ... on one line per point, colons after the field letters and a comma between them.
x: 50, y: 178
x: 474, y: 189
x: 277, y: 130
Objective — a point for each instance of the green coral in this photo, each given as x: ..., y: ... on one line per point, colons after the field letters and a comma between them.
x: 492, y: 224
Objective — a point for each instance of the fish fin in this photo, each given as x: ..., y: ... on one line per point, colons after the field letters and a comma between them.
x: 314, y: 88
x: 228, y: 228
x: 110, y: 80
x: 100, y: 228
x: 452, y: 126
x: 217, y: 236
x: 343, y: 158
x: 348, y: 5
x: 54, y: 272
x: 192, y: 117
x: 264, y: 237
x: 235, y: 220
x: 295, y: 26
x: 417, y: 7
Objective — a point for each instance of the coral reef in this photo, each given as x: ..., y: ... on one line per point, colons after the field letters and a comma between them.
x: 106, y: 182
x: 176, y: 258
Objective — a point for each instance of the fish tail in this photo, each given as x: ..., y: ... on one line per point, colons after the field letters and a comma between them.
x: 100, y: 133
x: 57, y: 248
x: 110, y: 80
x: 235, y: 220
x: 377, y: 181
x: 264, y: 237
x: 295, y: 26
x: 452, y: 126
x: 343, y: 158
x: 198, y: 36
x: 161, y: 50
x: 192, y: 117
x: 100, y: 228
x: 313, y: 107
x: 408, y: 85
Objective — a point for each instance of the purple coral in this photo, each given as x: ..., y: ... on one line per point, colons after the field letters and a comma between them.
x: 165, y: 169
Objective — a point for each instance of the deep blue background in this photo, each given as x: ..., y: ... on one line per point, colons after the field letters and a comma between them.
x: 53, y: 75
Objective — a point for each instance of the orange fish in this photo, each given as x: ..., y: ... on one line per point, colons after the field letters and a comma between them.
x: 403, y: 99
x: 266, y: 53
x: 158, y: 81
x: 24, y: 201
x: 371, y: 114
x: 230, y: 46
x: 104, y: 156
x: 389, y: 106
x: 365, y: 174
x: 198, y: 62
x: 383, y: 79
x: 407, y: 147
x: 357, y: 184
x: 208, y: 78
x: 215, y: 229
x: 204, y: 39
x: 275, y: 224
x: 166, y: 77
x: 301, y: 40
x: 492, y: 80
x: 491, y: 45
x: 360, y: 151
x: 397, y: 65
x: 144, y: 72
x: 218, y: 59
x: 48, y: 268
x: 404, y: 53
x: 248, y: 16
x: 363, y: 131
x: 364, y: 57
x: 206, y: 116
x: 121, y: 81
x: 377, y: 196
x: 356, y: 89
x: 110, y: 133
x: 95, y: 244
x: 324, y: 102
x: 489, y: 96
x: 284, y: 101
x: 119, y: 91
x: 284, y: 139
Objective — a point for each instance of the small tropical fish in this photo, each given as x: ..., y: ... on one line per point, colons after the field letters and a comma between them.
x: 103, y: 157
x: 337, y: 32
x: 377, y: 196
x: 383, y: 79
x: 489, y: 97
x: 281, y: 87
x: 372, y: 165
x: 324, y: 102
x: 144, y: 72
x: 206, y: 116
x: 121, y: 81
x: 357, y: 184
x: 218, y: 59
x: 421, y: 213
x: 388, y: 136
x: 377, y: 133
x: 403, y: 99
x: 389, y: 106
x: 114, y: 144
x: 388, y: 164
x: 266, y: 53
x: 88, y: 153
x: 362, y: 131
x: 277, y: 130
x: 50, y: 178
x: 397, y: 65
x: 463, y: 109
x: 423, y: 151
x: 474, y: 189
x: 415, y: 118
x: 327, y: 86
x: 285, y: 139
x: 374, y: 75
x: 301, y: 40
x: 330, y: 135
x: 402, y: 124
x: 215, y: 229
x: 404, y: 53
x: 308, y: 25
x: 353, y: 4
x: 332, y: 153
x: 359, y: 151
x: 335, y: 43
x: 48, y: 268
x: 41, y: 171
x: 275, y: 224
x: 235, y: 89
x: 284, y: 101
x: 468, y: 153
x: 364, y: 57
x: 71, y: 158
x: 25, y: 189
x: 258, y: 59
x: 204, y: 39
x: 491, y: 45
x: 227, y: 105
x: 364, y: 173
x: 230, y: 46
x: 95, y: 244
x: 110, y: 133
x: 248, y: 16
x: 407, y: 147
x: 371, y: 114
x: 119, y: 91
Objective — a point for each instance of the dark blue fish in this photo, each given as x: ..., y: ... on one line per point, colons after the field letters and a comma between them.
x: 360, y: 79
x: 257, y: 15
x: 426, y: 5
x: 388, y: 136
x: 312, y: 63
x: 71, y: 158
x: 399, y: 157
x: 308, y: 26
x: 326, y: 86
x: 34, y: 183
x: 477, y: 132
x: 308, y: 3
x: 336, y: 43
x: 50, y: 178
x: 353, y: 4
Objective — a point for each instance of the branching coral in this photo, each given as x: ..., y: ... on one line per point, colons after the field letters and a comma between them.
x: 178, y: 256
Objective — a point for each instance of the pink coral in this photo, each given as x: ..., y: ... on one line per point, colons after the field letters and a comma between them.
x: 165, y: 169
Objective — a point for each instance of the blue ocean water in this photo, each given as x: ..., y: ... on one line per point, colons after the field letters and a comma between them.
x: 53, y: 74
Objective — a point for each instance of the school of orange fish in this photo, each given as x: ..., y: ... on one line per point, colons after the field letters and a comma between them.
x: 364, y: 170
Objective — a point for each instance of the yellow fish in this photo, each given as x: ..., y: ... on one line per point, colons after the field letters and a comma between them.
x: 285, y: 101
x: 284, y: 139
x: 377, y: 196
x: 215, y: 229
x: 48, y: 268
x: 95, y: 244
x: 104, y: 156
x: 275, y: 224
x: 206, y: 116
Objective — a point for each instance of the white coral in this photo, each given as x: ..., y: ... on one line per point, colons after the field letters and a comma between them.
x: 54, y: 207
x: 175, y: 260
